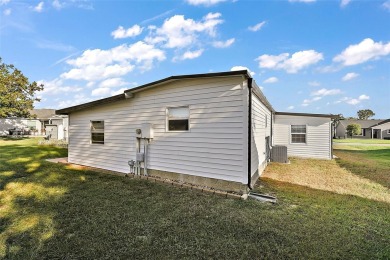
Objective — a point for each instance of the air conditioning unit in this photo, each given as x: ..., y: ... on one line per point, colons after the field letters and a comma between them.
x: 279, y: 154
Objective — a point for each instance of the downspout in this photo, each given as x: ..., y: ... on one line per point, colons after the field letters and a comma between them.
x: 250, y: 132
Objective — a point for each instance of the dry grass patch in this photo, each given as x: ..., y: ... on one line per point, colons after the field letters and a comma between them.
x: 328, y: 176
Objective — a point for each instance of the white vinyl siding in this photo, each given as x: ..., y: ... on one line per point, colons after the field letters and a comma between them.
x: 261, y: 122
x: 318, y: 136
x: 213, y: 147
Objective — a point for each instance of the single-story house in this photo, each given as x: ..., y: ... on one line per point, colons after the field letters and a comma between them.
x: 42, y: 122
x: 23, y: 125
x: 382, y: 129
x: 214, y: 129
x: 370, y: 128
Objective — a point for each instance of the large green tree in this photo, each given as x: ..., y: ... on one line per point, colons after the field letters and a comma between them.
x: 17, y: 94
x: 365, y: 114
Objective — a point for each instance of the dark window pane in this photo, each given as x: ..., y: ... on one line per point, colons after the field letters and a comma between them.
x: 178, y: 125
x: 97, y: 138
x: 298, y: 138
x: 298, y: 129
x: 97, y: 125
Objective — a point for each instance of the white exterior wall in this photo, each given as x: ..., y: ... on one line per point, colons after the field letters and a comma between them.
x: 318, y: 136
x: 214, y: 147
x: 9, y: 123
x: 260, y: 130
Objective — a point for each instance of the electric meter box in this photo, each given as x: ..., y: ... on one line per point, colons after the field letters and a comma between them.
x: 147, y: 130
x: 139, y: 157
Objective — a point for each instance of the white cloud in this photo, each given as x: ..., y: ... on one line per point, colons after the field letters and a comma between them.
x: 386, y: 5
x: 122, y: 33
x: 349, y: 76
x: 57, y: 86
x: 101, y: 92
x: 57, y: 4
x: 291, y: 64
x: 257, y: 27
x: 4, y: 2
x: 189, y: 55
x: 353, y: 101
x: 326, y: 92
x: 290, y: 108
x: 364, y: 97
x: 302, y: 1
x: 344, y: 3
x: 119, y: 91
x: 178, y: 32
x: 112, y: 82
x: 306, y: 102
x: 90, y: 84
x: 362, y: 52
x: 236, y: 68
x: 100, y: 64
x: 271, y: 80
x: 83, y: 4
x: 97, y: 72
x: 7, y: 12
x: 204, y: 2
x: 76, y: 100
x: 314, y: 83
x: 106, y: 91
x: 223, y: 44
x: 39, y: 7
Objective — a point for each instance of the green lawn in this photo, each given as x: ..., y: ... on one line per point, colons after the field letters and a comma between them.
x: 371, y: 162
x: 362, y: 141
x: 51, y: 211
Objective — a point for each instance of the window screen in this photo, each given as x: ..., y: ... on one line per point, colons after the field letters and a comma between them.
x: 298, y: 134
x: 178, y: 118
x: 97, y: 132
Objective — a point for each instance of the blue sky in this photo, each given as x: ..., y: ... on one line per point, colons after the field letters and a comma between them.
x: 307, y: 55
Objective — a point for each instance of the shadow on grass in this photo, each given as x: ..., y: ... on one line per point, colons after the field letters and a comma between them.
x: 370, y: 164
x: 50, y: 211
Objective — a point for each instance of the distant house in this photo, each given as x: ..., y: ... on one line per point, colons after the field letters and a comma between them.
x: 371, y: 128
x: 382, y: 129
x: 214, y: 129
x: 42, y: 122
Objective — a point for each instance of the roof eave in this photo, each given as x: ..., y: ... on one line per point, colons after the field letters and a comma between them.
x: 66, y: 111
x: 307, y: 114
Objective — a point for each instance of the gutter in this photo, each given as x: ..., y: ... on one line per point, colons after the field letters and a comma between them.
x: 250, y: 80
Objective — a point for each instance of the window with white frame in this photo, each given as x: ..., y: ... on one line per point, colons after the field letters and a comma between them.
x: 388, y: 131
x: 178, y: 119
x: 298, y: 134
x: 97, y: 132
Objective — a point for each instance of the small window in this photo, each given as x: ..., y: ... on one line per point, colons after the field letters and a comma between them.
x: 298, y: 134
x: 97, y: 132
x: 178, y: 118
x: 388, y: 131
x: 266, y: 121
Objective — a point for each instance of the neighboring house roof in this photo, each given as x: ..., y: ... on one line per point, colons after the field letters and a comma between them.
x: 128, y: 93
x: 43, y: 113
x: 306, y: 114
x: 381, y: 123
x: 363, y: 123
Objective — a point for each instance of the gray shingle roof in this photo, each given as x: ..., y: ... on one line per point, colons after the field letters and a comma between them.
x: 363, y: 123
x: 43, y: 113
